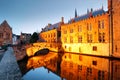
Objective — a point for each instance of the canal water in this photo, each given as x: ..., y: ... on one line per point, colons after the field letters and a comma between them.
x: 69, y: 66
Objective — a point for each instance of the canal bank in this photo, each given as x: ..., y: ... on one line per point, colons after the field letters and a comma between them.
x: 9, y: 69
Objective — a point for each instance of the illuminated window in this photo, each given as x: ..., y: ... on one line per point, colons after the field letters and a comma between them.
x: 71, y: 30
x: 103, y: 24
x: 71, y: 39
x: 69, y: 48
x: 65, y: 40
x: 89, y: 27
x: 80, y: 28
x: 65, y: 32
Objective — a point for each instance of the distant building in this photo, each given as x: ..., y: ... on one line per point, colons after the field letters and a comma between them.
x: 16, y: 39
x: 51, y: 34
x: 5, y: 33
x: 25, y: 38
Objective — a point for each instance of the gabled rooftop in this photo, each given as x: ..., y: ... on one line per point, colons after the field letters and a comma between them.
x: 51, y: 26
x: 87, y: 15
x: 5, y: 24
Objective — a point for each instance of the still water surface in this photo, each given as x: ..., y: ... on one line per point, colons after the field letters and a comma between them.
x: 68, y: 66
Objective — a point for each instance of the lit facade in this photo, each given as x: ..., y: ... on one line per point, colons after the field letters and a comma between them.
x: 95, y: 33
x: 51, y: 36
x: 5, y: 33
x: 89, y: 35
x: 80, y: 67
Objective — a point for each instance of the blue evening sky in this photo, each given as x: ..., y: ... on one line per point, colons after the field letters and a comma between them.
x: 29, y: 16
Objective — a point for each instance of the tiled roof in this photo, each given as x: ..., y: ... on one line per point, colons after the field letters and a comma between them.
x: 87, y: 15
x: 5, y: 24
x: 52, y: 26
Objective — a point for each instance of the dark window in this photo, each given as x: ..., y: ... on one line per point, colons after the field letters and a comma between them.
x: 89, y: 38
x: 79, y: 68
x: 99, y: 26
x: 79, y: 39
x: 94, y: 48
x: 80, y: 57
x: 94, y: 63
x: 101, y: 37
x: 65, y: 47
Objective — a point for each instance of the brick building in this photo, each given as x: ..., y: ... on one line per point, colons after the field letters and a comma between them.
x: 5, y: 33
x: 94, y: 33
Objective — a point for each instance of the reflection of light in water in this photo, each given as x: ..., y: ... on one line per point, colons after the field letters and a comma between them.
x: 78, y: 67
x: 39, y: 61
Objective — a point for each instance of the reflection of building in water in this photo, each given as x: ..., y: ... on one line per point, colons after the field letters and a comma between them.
x: 116, y: 70
x: 77, y: 67
x: 39, y: 61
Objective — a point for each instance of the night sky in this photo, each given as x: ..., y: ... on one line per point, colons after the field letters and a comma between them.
x: 29, y: 16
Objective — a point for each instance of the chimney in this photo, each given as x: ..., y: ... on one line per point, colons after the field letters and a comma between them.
x: 91, y: 10
x: 87, y: 11
x: 62, y: 19
x: 49, y: 25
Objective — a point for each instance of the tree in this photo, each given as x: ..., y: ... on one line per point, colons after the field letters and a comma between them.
x: 34, y: 37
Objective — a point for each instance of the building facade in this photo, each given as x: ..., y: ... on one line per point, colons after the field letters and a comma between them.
x: 87, y: 34
x: 5, y: 33
x: 51, y: 35
x: 94, y: 33
x: 114, y: 11
x: 25, y: 38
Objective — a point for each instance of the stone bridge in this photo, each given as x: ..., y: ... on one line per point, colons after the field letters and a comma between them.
x: 38, y: 46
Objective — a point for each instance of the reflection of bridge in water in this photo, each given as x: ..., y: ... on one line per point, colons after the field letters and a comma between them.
x: 78, y: 67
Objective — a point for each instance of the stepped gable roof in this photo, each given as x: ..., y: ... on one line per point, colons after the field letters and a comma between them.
x: 87, y: 15
x: 5, y: 24
x: 51, y: 26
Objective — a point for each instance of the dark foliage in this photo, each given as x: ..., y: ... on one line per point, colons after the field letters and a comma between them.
x: 34, y: 37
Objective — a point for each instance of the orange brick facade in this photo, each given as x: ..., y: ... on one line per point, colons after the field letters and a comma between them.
x: 116, y: 26
x: 5, y: 33
x: 88, y: 36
